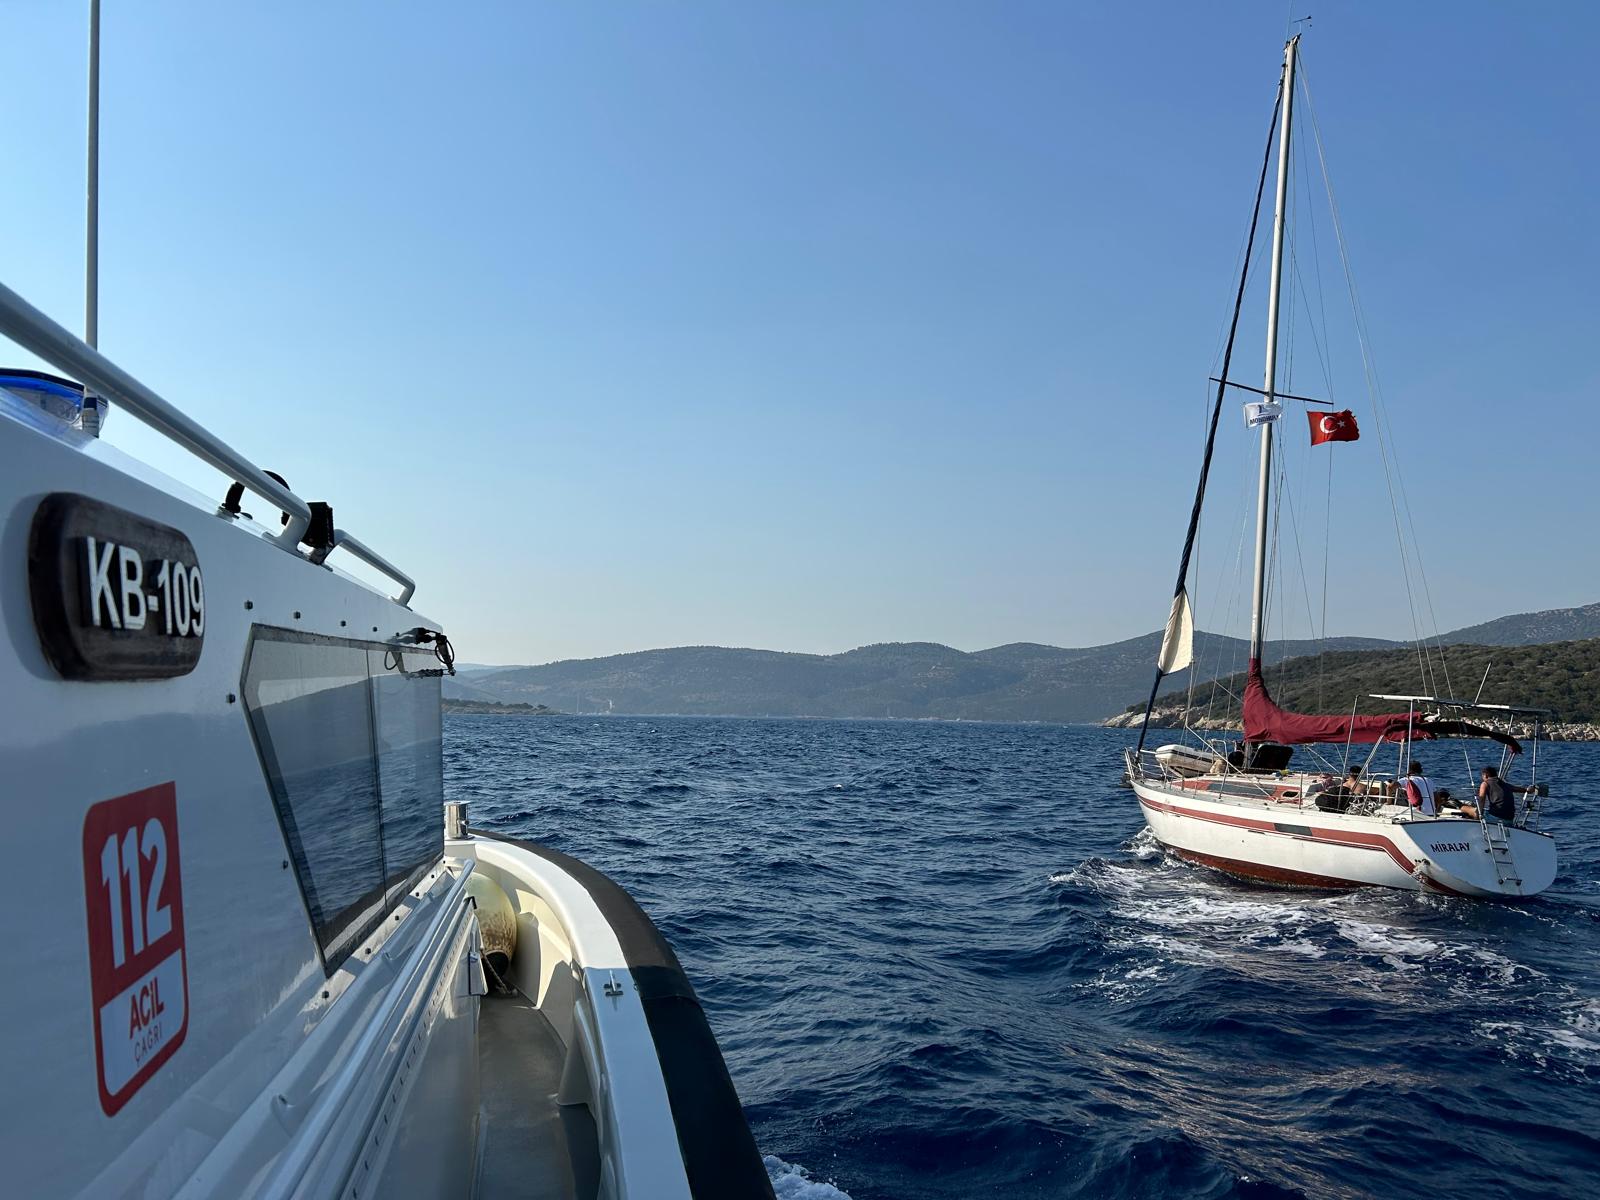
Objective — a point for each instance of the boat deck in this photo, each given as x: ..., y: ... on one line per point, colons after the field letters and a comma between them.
x: 528, y: 1145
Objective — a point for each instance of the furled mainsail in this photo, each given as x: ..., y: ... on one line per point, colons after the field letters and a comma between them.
x: 1264, y: 721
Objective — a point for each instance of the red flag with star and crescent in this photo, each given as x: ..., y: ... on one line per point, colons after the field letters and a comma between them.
x: 1333, y: 427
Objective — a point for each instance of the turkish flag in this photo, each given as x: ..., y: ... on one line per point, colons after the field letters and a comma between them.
x: 1333, y: 427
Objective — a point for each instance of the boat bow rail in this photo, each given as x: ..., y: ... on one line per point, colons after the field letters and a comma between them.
x: 35, y: 332
x: 639, y: 1051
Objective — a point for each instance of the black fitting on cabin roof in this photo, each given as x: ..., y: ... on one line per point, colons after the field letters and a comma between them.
x: 230, y: 502
x: 319, y: 533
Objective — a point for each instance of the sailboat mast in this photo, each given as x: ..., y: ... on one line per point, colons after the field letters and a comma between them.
x: 1258, y: 598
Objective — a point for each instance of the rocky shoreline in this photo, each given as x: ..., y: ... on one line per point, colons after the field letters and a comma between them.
x: 498, y: 709
x: 1173, y: 718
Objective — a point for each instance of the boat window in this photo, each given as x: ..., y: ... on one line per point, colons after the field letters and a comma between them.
x: 406, y: 724
x: 351, y: 751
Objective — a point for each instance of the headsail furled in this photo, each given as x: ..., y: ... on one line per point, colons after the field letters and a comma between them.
x: 1177, y: 645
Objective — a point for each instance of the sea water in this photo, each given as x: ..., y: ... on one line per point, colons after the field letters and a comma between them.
x: 948, y: 960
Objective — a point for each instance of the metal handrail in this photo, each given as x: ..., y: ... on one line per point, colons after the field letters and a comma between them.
x: 392, y: 1024
x: 359, y: 549
x: 33, y: 331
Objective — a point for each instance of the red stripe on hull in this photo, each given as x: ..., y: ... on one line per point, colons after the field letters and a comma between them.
x: 1214, y: 818
x: 1345, y: 837
x: 1367, y: 841
x: 1259, y: 871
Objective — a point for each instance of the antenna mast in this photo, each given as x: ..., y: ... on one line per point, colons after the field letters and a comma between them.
x: 91, y: 282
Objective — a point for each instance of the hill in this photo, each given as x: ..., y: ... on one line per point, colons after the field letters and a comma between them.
x: 1529, y: 629
x: 1021, y: 681
x: 1018, y: 682
x: 1561, y: 676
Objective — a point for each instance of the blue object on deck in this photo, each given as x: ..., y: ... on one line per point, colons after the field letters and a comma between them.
x: 57, y: 398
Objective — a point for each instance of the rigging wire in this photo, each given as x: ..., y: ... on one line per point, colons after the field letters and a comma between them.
x: 1327, y: 537
x: 1216, y: 413
x: 1294, y: 528
x: 1217, y: 647
x: 1249, y: 271
x: 1374, y: 394
x: 1326, y: 362
x: 1234, y: 645
x: 1285, y: 479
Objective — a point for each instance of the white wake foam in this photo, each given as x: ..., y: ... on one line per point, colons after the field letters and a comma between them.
x: 790, y: 1182
x: 1402, y: 951
x: 1574, y: 1041
x: 1144, y: 845
x: 1388, y: 944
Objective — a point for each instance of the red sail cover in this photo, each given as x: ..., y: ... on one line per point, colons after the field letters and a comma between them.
x: 1264, y: 721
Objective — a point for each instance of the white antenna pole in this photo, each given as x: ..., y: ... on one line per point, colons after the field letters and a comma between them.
x: 1482, y: 682
x: 1258, y: 600
x: 91, y: 288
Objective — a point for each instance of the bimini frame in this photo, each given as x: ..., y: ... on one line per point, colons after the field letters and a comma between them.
x: 1537, y: 717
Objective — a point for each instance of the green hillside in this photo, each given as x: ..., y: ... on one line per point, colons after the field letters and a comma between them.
x: 1561, y: 676
x: 1017, y: 682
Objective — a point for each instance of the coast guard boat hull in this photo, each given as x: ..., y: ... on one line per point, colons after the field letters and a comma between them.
x: 246, y: 959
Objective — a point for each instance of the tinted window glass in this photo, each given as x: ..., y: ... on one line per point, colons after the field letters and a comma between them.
x: 349, y: 736
x: 309, y: 710
x: 406, y: 723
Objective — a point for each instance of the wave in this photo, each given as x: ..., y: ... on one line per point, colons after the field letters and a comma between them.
x: 790, y: 1182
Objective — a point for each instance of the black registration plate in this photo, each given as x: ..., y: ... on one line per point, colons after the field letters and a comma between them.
x: 115, y: 596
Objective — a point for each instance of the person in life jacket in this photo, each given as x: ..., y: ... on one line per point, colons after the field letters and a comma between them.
x: 1418, y: 790
x: 1497, y: 798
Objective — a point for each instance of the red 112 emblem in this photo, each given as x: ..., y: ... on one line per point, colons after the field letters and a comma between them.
x: 140, y: 981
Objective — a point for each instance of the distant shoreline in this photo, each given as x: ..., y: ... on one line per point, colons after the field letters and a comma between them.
x: 480, y: 706
x: 496, y: 709
x: 1554, y: 731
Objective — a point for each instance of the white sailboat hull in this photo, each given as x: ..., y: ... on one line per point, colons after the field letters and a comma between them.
x: 1274, y: 839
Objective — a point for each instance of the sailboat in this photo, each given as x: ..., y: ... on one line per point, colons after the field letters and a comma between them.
x: 1244, y: 811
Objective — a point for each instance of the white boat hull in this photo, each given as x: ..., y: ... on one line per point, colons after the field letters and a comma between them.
x: 1274, y: 839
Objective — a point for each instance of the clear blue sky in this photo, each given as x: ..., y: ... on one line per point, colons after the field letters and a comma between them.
x: 810, y: 325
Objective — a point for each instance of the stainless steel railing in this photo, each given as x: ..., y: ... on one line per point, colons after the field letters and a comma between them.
x: 358, y: 1085
x: 34, y: 331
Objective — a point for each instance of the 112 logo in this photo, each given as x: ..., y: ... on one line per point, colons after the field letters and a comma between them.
x: 138, y: 975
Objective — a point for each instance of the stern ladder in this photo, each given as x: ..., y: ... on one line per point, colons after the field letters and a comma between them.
x: 1498, y: 839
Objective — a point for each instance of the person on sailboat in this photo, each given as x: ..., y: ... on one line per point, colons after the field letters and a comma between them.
x: 1351, y: 788
x: 1418, y: 790
x: 1321, y: 785
x: 1336, y: 795
x: 1497, y: 798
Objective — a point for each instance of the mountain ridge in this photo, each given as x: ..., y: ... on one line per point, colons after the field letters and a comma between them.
x: 1562, y: 677
x: 1016, y: 681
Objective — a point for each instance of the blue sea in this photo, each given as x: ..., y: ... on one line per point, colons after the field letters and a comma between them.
x: 948, y: 960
